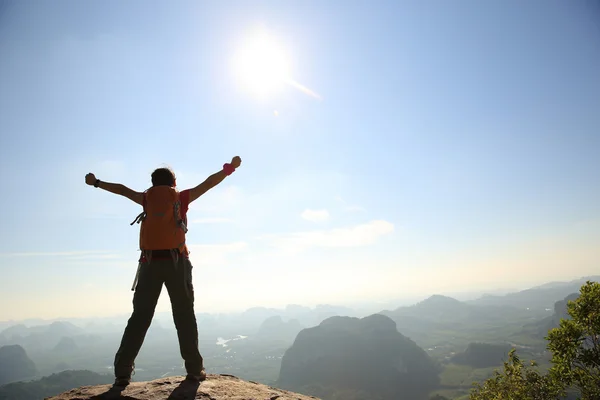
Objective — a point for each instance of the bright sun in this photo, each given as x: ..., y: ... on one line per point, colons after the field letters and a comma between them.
x: 261, y: 65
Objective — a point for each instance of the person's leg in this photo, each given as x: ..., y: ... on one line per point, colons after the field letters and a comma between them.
x: 178, y: 281
x: 146, y: 296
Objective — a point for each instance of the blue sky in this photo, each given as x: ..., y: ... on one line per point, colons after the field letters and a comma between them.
x: 454, y: 147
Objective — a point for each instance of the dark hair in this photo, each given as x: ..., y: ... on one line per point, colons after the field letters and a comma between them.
x: 163, y: 176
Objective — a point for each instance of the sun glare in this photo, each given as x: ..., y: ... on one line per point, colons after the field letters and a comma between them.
x: 261, y: 65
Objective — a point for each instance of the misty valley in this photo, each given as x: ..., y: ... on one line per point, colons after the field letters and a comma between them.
x: 435, y: 348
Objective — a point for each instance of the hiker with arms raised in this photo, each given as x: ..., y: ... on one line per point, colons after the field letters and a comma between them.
x: 164, y: 259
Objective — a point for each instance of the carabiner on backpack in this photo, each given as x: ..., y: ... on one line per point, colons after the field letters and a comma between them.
x: 139, y: 218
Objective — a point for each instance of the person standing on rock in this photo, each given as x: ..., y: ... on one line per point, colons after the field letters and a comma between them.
x: 164, y: 259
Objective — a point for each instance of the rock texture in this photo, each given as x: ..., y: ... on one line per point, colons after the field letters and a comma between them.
x: 215, y: 387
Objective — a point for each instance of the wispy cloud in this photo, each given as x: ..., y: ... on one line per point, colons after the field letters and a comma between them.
x: 214, y: 220
x: 359, y: 235
x: 315, y: 215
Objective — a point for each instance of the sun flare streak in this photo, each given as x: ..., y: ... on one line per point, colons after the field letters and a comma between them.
x: 304, y: 89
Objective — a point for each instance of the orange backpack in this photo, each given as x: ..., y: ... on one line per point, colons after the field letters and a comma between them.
x: 162, y: 225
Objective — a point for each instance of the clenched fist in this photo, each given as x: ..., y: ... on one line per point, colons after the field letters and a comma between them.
x: 236, y: 161
x: 90, y: 179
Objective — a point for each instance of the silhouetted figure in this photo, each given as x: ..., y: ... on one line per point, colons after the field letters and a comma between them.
x: 164, y: 258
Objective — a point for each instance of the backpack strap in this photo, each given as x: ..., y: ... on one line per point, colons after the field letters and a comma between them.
x: 178, y: 217
x: 142, y: 215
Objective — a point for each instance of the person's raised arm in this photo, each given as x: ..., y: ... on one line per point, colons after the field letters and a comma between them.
x: 116, y: 188
x: 215, y: 179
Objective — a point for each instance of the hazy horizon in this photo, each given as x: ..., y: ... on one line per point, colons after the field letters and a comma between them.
x: 388, y: 152
x: 364, y: 307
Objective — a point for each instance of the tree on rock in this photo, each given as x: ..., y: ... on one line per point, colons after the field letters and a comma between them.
x: 575, y: 347
x: 518, y: 382
x: 575, y: 344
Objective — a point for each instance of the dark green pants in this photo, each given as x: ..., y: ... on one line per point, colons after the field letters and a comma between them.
x: 177, y: 277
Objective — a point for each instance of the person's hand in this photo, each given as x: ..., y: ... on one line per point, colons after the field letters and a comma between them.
x: 236, y: 161
x: 90, y: 179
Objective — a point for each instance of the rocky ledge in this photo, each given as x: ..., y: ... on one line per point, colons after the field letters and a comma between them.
x: 215, y: 387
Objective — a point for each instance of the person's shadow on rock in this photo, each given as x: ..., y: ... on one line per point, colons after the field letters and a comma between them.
x: 185, y: 391
x: 112, y: 394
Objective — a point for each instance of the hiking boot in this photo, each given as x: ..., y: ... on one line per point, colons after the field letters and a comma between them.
x: 123, y: 375
x: 196, y: 377
x: 122, y: 381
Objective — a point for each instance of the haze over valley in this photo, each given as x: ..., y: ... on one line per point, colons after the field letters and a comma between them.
x: 457, y: 342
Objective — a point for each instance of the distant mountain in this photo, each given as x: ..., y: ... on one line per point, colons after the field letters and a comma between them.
x: 6, y: 324
x: 14, y: 331
x: 25, y: 322
x: 66, y: 345
x: 274, y: 328
x: 260, y: 313
x: 438, y: 311
x: 324, y: 311
x: 558, y: 284
x: 537, y: 298
x: 305, y: 315
x: 540, y: 328
x: 62, y: 328
x: 250, y: 320
x: 560, y: 308
x: 435, y: 312
x: 58, y: 328
x: 438, y: 306
x: 39, y: 337
x: 296, y: 309
x: 52, y: 385
x: 367, y: 357
x: 15, y: 364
